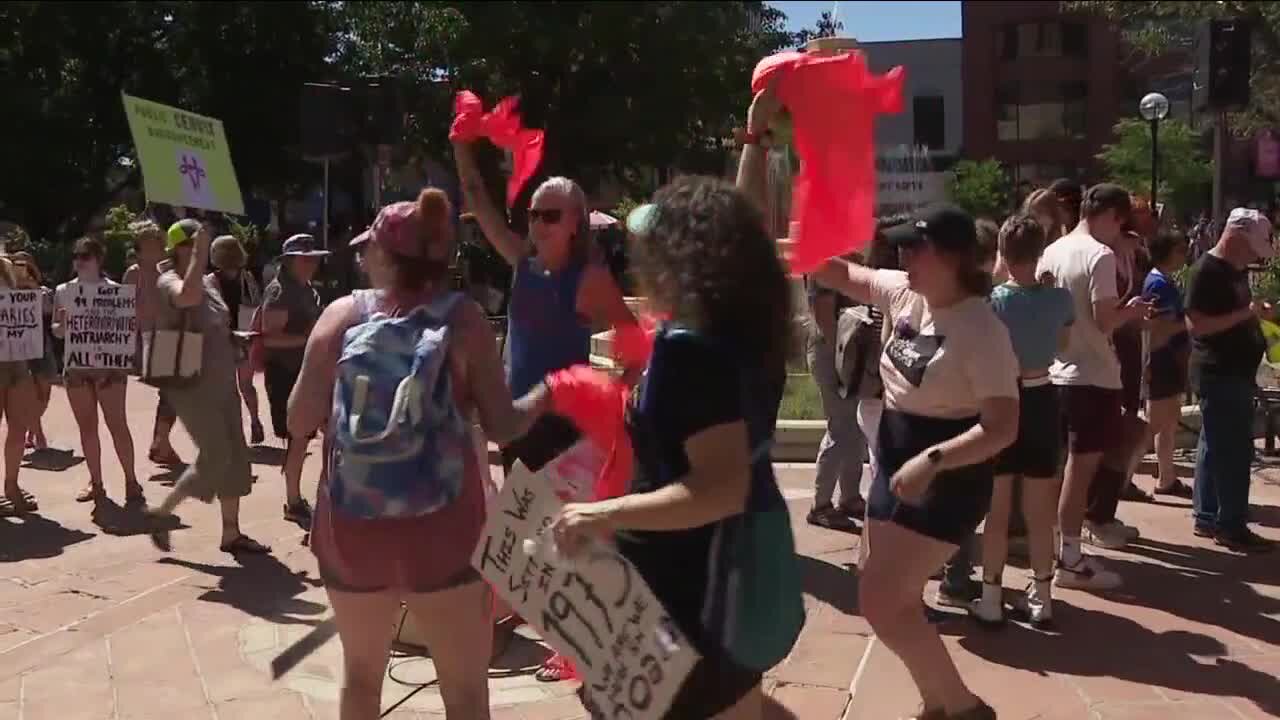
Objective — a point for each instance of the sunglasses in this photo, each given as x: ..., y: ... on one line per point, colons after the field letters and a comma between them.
x: 548, y: 217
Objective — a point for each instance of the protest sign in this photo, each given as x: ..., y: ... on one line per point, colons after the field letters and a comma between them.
x: 101, y: 325
x: 185, y: 157
x: 21, y: 325
x: 594, y: 608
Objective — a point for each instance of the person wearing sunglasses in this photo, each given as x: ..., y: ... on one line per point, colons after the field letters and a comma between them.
x: 558, y: 296
x: 90, y: 389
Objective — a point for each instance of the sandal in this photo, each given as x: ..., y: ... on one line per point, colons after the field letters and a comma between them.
x: 556, y: 668
x: 1178, y: 489
x: 24, y: 503
x: 92, y: 493
x: 169, y: 458
x: 244, y: 544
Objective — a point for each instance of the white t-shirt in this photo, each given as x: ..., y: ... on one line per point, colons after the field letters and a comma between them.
x: 1087, y: 269
x: 66, y: 292
x: 941, y: 363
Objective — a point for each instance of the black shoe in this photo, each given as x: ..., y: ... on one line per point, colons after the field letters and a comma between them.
x: 958, y: 595
x: 299, y: 513
x: 1244, y: 540
x: 256, y: 435
x: 830, y: 518
x: 1203, y: 531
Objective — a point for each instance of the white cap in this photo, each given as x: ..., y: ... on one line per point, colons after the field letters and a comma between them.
x: 1256, y: 227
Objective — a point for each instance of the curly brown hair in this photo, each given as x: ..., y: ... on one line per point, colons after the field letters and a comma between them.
x: 708, y: 260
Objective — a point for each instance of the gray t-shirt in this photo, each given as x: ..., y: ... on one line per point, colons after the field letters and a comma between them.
x: 210, y: 318
x: 302, y: 303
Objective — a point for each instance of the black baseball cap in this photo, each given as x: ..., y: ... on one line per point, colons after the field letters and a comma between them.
x: 946, y: 226
x: 1107, y: 196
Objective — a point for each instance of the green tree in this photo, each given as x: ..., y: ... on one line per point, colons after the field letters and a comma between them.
x: 981, y: 187
x: 1155, y: 26
x: 1185, y: 172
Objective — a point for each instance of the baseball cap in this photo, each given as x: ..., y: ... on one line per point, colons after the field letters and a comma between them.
x: 359, y: 240
x: 181, y: 232
x: 398, y: 228
x: 1254, y: 226
x: 303, y: 245
x: 946, y: 226
x: 1107, y: 196
x: 641, y: 219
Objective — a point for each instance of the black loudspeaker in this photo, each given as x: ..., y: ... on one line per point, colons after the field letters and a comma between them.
x: 1223, y: 60
x: 383, y: 109
x: 328, y: 118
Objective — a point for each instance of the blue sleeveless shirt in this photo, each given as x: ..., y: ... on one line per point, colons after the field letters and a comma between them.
x: 544, y: 331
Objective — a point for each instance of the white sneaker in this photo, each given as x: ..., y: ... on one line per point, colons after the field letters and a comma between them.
x: 1040, y: 603
x: 1087, y: 574
x: 1111, y: 536
x: 989, y: 609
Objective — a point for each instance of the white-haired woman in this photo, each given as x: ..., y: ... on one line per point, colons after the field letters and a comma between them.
x: 558, y: 295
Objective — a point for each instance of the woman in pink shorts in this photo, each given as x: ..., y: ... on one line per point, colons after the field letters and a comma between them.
x: 371, y: 565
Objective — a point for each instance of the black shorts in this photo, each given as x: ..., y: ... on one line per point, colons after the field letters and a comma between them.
x: 1092, y: 417
x: 549, y: 436
x: 279, y: 379
x: 715, y: 684
x: 958, y: 499
x: 1167, y: 373
x: 1037, y: 451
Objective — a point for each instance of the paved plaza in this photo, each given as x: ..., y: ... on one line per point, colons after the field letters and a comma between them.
x: 95, y: 624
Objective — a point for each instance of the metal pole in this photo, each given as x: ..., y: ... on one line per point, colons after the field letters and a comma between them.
x: 1219, y: 170
x: 325, y: 206
x: 1155, y: 162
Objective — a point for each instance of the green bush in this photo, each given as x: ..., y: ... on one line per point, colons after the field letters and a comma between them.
x: 801, y: 399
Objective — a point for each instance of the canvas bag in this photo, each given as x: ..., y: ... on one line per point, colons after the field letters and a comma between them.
x: 173, y: 358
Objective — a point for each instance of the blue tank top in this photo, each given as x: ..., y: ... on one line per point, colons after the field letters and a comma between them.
x: 1035, y: 317
x: 544, y: 331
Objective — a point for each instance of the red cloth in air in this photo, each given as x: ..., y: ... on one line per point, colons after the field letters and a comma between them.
x: 833, y: 101
x: 503, y: 127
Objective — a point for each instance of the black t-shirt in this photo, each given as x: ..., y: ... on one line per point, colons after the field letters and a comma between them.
x: 231, y: 295
x: 1215, y: 288
x: 692, y: 383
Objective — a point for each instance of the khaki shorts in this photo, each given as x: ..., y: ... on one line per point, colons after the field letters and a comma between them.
x: 210, y: 411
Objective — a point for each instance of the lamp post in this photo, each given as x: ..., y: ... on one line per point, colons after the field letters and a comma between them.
x: 1154, y: 107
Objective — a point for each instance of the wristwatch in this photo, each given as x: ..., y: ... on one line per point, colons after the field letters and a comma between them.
x: 934, y: 456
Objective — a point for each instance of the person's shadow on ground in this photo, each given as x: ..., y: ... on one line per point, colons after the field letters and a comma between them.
x: 266, y: 455
x: 119, y: 521
x: 1189, y: 662
x: 260, y: 586
x: 835, y: 585
x: 34, y: 537
x: 51, y: 460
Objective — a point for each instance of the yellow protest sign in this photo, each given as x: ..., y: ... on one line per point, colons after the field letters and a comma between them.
x: 184, y: 156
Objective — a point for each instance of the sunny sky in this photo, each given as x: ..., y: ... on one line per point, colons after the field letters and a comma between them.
x: 870, y: 21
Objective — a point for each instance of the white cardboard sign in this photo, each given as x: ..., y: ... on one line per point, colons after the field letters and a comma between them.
x: 594, y: 608
x: 102, y: 324
x: 21, y: 325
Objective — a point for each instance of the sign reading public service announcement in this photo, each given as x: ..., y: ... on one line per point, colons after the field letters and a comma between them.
x: 21, y: 326
x: 595, y: 607
x: 101, y: 324
x: 185, y: 158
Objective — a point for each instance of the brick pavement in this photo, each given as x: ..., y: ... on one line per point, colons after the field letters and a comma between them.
x: 96, y: 624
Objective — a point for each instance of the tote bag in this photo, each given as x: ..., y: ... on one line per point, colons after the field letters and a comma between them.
x: 172, y: 358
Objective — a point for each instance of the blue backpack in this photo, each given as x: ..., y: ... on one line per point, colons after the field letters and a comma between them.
x: 399, y: 443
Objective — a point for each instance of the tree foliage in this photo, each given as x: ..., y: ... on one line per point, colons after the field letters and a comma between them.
x: 1185, y: 172
x: 1156, y: 26
x: 981, y: 187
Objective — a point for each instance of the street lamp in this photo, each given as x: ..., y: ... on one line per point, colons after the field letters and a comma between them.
x: 1154, y: 107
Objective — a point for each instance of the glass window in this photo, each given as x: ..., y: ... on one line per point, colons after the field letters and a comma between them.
x: 1074, y: 39
x: 1041, y: 39
x: 929, y: 117
x: 1064, y: 116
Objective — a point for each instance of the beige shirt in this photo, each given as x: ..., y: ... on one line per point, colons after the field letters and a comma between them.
x: 1087, y: 269
x: 941, y: 363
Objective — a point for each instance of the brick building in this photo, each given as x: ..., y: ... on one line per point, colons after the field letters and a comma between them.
x: 1043, y: 88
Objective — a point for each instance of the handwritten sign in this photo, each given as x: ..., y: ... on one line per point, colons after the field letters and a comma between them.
x: 101, y: 325
x: 20, y: 325
x: 595, y: 608
x: 184, y: 156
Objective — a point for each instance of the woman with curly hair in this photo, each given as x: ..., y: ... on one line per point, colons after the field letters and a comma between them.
x: 44, y: 368
x: 18, y: 404
x: 706, y: 407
